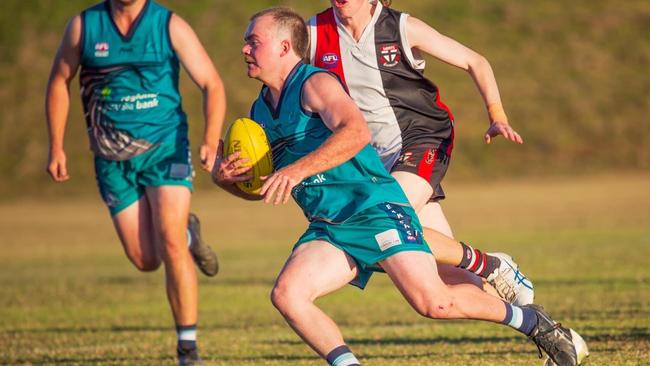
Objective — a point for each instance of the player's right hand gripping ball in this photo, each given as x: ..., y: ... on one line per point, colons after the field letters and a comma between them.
x: 248, y: 137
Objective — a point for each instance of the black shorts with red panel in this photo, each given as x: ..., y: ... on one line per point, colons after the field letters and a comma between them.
x: 428, y: 160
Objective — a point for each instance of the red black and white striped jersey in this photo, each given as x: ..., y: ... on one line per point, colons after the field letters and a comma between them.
x: 385, y: 79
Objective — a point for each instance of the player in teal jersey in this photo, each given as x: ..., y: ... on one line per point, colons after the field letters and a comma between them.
x: 360, y: 219
x: 130, y: 52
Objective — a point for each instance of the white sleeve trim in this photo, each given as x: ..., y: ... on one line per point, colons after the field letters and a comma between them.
x: 419, y: 63
x: 313, y: 33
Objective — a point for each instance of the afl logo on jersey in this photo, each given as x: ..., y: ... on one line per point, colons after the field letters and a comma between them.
x: 330, y: 60
x: 101, y: 49
x: 389, y: 54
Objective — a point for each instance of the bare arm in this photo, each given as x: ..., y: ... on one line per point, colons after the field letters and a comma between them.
x: 422, y: 37
x: 57, y: 98
x: 201, y: 70
x: 322, y: 94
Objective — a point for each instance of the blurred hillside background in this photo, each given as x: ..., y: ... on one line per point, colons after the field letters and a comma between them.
x: 573, y: 77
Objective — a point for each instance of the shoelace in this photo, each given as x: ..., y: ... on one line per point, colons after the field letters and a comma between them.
x: 503, y: 287
x: 519, y: 278
x: 543, y: 333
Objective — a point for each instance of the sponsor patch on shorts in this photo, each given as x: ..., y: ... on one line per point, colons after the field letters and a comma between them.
x: 388, y: 239
x: 179, y: 171
x: 110, y: 200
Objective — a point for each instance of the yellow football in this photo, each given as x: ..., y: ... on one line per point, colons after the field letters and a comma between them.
x: 249, y: 138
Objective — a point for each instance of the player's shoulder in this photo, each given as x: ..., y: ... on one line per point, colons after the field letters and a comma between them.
x: 178, y: 24
x: 320, y: 88
x: 319, y: 81
x: 73, y: 29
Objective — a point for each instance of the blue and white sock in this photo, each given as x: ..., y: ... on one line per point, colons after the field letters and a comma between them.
x: 520, y: 318
x: 186, y: 336
x: 342, y: 356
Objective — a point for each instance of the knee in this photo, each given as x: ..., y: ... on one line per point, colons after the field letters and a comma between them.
x: 175, y: 250
x: 284, y: 297
x: 438, y: 307
x: 280, y: 298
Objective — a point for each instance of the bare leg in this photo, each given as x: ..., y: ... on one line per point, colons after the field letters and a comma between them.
x: 416, y: 276
x: 133, y: 226
x: 431, y: 216
x: 437, y: 232
x: 313, y: 270
x: 169, y: 213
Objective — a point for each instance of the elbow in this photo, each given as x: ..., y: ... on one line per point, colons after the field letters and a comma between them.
x: 477, y: 63
x: 214, y: 85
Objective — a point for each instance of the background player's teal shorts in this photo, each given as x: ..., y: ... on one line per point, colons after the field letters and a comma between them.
x: 371, y: 236
x: 121, y: 183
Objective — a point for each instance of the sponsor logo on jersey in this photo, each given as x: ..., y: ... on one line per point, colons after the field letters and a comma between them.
x: 319, y: 179
x: 101, y: 49
x: 106, y: 92
x: 330, y: 60
x: 389, y: 54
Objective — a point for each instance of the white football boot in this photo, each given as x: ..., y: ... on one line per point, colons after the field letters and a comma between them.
x: 511, y: 285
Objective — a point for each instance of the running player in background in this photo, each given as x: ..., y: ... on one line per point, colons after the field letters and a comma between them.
x: 375, y: 51
x: 129, y: 53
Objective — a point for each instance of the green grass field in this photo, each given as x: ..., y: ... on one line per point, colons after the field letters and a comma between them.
x: 69, y: 296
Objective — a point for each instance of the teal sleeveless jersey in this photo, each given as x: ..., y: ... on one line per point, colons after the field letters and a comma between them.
x: 338, y: 193
x: 129, y: 83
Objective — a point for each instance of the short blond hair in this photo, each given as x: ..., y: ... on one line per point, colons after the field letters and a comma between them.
x: 287, y: 19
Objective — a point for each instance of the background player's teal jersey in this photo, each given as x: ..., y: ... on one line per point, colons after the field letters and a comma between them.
x: 337, y: 193
x: 129, y: 82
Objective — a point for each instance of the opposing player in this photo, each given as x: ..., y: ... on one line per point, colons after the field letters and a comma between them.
x: 361, y: 220
x: 375, y: 51
x: 129, y: 53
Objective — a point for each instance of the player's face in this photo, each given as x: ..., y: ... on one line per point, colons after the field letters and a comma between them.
x: 349, y: 8
x: 261, y: 48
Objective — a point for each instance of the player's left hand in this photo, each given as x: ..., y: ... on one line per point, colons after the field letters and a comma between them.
x: 281, y: 184
x: 208, y: 154
x: 231, y: 169
x: 504, y: 129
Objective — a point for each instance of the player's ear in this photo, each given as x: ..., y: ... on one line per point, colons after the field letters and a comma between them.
x: 285, y: 46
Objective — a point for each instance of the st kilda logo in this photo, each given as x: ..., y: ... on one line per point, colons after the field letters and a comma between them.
x: 389, y: 54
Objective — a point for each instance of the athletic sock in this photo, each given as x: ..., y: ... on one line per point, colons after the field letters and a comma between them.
x: 186, y: 336
x: 522, y: 319
x: 476, y: 261
x: 342, y: 356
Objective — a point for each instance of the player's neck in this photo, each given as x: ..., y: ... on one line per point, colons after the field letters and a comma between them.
x: 358, y: 22
x: 277, y: 84
x: 125, y: 14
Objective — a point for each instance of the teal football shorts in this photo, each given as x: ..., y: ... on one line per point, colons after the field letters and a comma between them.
x: 121, y: 183
x: 371, y: 236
